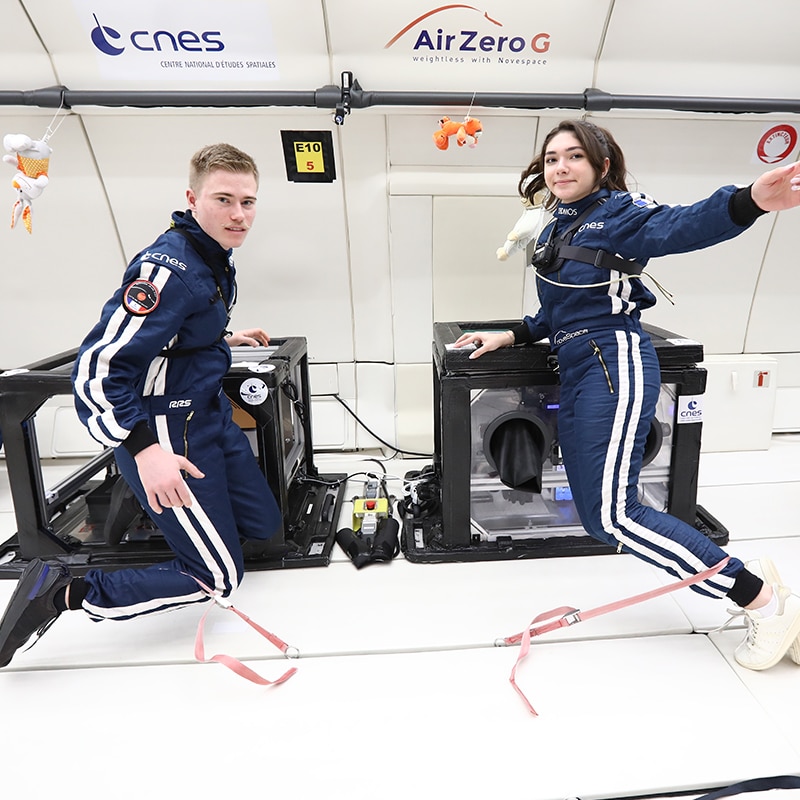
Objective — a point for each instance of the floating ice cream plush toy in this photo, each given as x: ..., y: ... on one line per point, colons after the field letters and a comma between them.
x: 32, y: 159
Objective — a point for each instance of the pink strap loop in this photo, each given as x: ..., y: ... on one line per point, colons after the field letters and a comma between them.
x: 234, y: 664
x: 230, y: 662
x: 571, y: 616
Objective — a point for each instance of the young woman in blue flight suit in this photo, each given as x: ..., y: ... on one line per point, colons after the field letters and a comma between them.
x: 586, y: 262
x: 148, y: 382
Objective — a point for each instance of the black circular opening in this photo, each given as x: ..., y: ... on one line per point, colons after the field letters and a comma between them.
x: 516, y: 445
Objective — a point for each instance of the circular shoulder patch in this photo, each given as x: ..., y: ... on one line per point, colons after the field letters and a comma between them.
x: 141, y: 297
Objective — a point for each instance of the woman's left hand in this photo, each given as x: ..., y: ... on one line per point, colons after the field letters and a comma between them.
x: 485, y: 341
x: 255, y: 337
x: 778, y: 189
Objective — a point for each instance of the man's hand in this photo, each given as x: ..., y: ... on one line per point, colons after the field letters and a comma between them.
x: 161, y: 477
x: 254, y: 337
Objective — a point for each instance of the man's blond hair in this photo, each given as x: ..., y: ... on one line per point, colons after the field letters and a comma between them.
x: 219, y: 156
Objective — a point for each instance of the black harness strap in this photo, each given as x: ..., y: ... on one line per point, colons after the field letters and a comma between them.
x: 189, y: 351
x: 599, y: 258
x: 557, y: 249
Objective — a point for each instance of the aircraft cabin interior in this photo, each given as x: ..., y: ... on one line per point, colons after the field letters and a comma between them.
x: 426, y: 517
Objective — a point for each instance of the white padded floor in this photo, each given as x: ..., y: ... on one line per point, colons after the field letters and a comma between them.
x: 400, y: 691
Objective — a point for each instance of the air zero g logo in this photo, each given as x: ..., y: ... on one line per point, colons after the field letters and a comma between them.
x: 690, y: 409
x: 113, y: 43
x: 470, y: 41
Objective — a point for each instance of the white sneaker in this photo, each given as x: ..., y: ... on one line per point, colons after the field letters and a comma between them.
x: 769, y: 638
x: 765, y: 569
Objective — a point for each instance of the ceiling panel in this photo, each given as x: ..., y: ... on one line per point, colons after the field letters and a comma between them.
x: 727, y: 48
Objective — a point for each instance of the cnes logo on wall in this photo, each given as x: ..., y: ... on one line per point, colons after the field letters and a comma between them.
x: 111, y: 42
x: 140, y: 42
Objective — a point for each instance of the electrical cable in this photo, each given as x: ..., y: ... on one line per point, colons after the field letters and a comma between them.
x: 372, y: 433
x: 290, y: 390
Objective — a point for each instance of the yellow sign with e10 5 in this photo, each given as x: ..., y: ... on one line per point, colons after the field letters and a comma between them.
x: 309, y: 156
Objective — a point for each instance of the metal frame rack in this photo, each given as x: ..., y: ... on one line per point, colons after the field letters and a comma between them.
x: 64, y: 521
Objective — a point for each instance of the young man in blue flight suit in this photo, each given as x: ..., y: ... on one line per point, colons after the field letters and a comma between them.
x: 148, y: 382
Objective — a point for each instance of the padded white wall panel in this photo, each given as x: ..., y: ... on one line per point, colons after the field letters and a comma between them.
x: 412, y: 277
x: 414, y: 402
x: 332, y: 427
x: 362, y: 144
x: 774, y: 319
x: 69, y: 437
x: 787, y: 410
x: 453, y: 181
x: 375, y: 391
x: 323, y: 378
x: 469, y: 283
x: 787, y: 398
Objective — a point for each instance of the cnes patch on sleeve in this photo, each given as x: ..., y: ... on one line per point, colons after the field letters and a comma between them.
x: 141, y: 297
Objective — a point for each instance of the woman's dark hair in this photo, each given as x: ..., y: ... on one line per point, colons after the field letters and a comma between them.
x: 598, y: 144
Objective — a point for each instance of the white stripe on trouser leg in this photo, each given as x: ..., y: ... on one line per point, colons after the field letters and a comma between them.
x: 210, y: 530
x: 205, y: 523
x: 620, y: 450
x: 617, y: 430
x: 144, y: 607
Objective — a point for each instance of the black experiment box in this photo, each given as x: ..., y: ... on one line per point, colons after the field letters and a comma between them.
x: 497, y: 472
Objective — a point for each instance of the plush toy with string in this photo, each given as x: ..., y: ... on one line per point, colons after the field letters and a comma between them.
x: 466, y: 132
x: 31, y: 157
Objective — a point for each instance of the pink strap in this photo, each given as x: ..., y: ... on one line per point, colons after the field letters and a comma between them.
x: 229, y: 661
x: 566, y: 615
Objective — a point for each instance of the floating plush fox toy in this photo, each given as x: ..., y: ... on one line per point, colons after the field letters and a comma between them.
x: 31, y: 157
x: 466, y: 132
